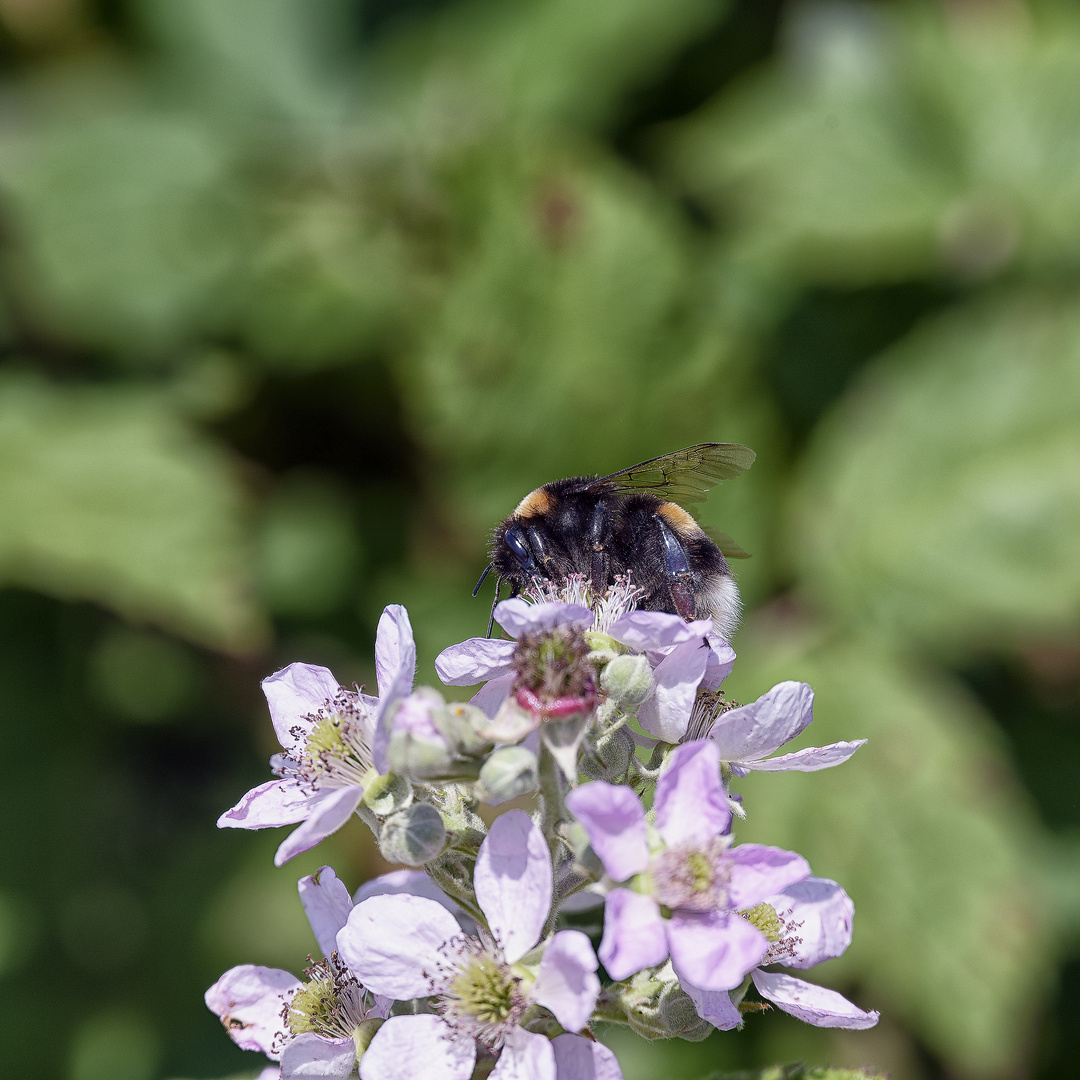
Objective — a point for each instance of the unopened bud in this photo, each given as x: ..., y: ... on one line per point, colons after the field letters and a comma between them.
x: 463, y: 726
x: 386, y: 794
x: 657, y: 1007
x: 413, y: 836
x: 628, y: 680
x: 615, y: 751
x: 418, y: 748
x: 508, y: 773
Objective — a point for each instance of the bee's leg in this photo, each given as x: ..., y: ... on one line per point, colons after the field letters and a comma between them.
x: 599, y: 575
x: 494, y: 603
x: 539, y: 547
x: 677, y: 571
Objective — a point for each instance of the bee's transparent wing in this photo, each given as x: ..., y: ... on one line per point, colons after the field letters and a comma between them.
x: 728, y: 547
x: 684, y: 476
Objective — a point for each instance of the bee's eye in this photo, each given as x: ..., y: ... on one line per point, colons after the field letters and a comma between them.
x: 516, y: 543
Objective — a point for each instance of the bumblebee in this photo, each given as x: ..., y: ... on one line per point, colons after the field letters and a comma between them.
x: 631, y: 522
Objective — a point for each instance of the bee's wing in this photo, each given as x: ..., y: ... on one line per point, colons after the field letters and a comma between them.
x: 684, y: 476
x: 728, y: 547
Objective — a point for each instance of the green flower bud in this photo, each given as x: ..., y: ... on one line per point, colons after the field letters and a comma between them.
x: 508, y: 773
x: 418, y: 749
x: 413, y: 836
x: 386, y: 794
x: 463, y: 726
x: 615, y: 751
x: 628, y: 680
x: 657, y: 1007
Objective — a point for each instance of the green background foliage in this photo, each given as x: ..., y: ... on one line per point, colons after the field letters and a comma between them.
x: 299, y: 297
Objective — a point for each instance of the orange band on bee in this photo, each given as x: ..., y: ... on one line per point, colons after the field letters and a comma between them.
x: 535, y: 504
x: 682, y: 524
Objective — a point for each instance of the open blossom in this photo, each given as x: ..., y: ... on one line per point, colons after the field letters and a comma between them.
x: 691, y: 870
x: 682, y: 655
x: 313, y: 1027
x: 482, y: 986
x: 332, y: 739
x: 746, y: 735
x: 808, y: 922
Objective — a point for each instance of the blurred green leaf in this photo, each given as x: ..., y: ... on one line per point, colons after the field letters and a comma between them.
x: 928, y: 831
x: 892, y: 141
x: 534, y: 61
x: 941, y: 500
x: 127, y: 216
x: 571, y: 334
x: 107, y: 496
x: 801, y: 1072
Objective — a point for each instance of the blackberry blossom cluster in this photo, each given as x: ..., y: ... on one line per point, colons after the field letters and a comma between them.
x: 617, y: 895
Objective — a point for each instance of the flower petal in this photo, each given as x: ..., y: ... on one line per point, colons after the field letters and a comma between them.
x: 512, y: 881
x: 395, y: 665
x: 395, y: 651
x: 327, y: 904
x: 392, y: 943
x: 293, y: 694
x: 417, y: 1048
x: 525, y: 1056
x: 809, y: 760
x: 248, y: 999
x: 577, y: 1058
x: 517, y: 617
x: 647, y: 630
x: 615, y: 821
x: 325, y: 817
x: 566, y: 982
x: 758, y: 872
x: 634, y: 935
x: 312, y: 1055
x: 714, y: 949
x: 752, y: 731
x: 666, y: 712
x: 475, y: 660
x: 690, y: 801
x: 416, y: 883
x: 492, y: 694
x: 720, y: 661
x: 277, y: 802
x: 813, y: 1004
x: 823, y: 913
x: 714, y: 1005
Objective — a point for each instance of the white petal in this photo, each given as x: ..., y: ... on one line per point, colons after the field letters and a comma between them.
x: 578, y: 1058
x: 277, y: 802
x: 395, y: 664
x: 752, y: 731
x: 513, y: 882
x: 666, y: 713
x: 713, y: 1005
x: 474, y: 661
x: 812, y: 1004
x: 492, y: 694
x: 417, y: 1048
x: 326, y: 816
x: 518, y: 617
x: 823, y: 913
x: 690, y: 802
x: 525, y: 1056
x: 248, y: 1000
x: 312, y: 1055
x: 392, y: 943
x: 809, y: 760
x: 294, y: 693
x: 327, y: 904
x: 567, y: 983
x: 634, y: 935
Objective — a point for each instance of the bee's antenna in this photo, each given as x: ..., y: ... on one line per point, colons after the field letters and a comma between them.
x: 495, y: 602
x: 487, y: 570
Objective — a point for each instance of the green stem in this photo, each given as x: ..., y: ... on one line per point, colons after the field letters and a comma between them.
x: 553, y: 812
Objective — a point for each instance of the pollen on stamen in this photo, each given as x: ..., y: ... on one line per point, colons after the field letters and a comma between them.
x: 476, y: 993
x: 692, y: 878
x: 331, y: 1003
x: 336, y: 752
x: 779, y: 931
x: 607, y: 604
